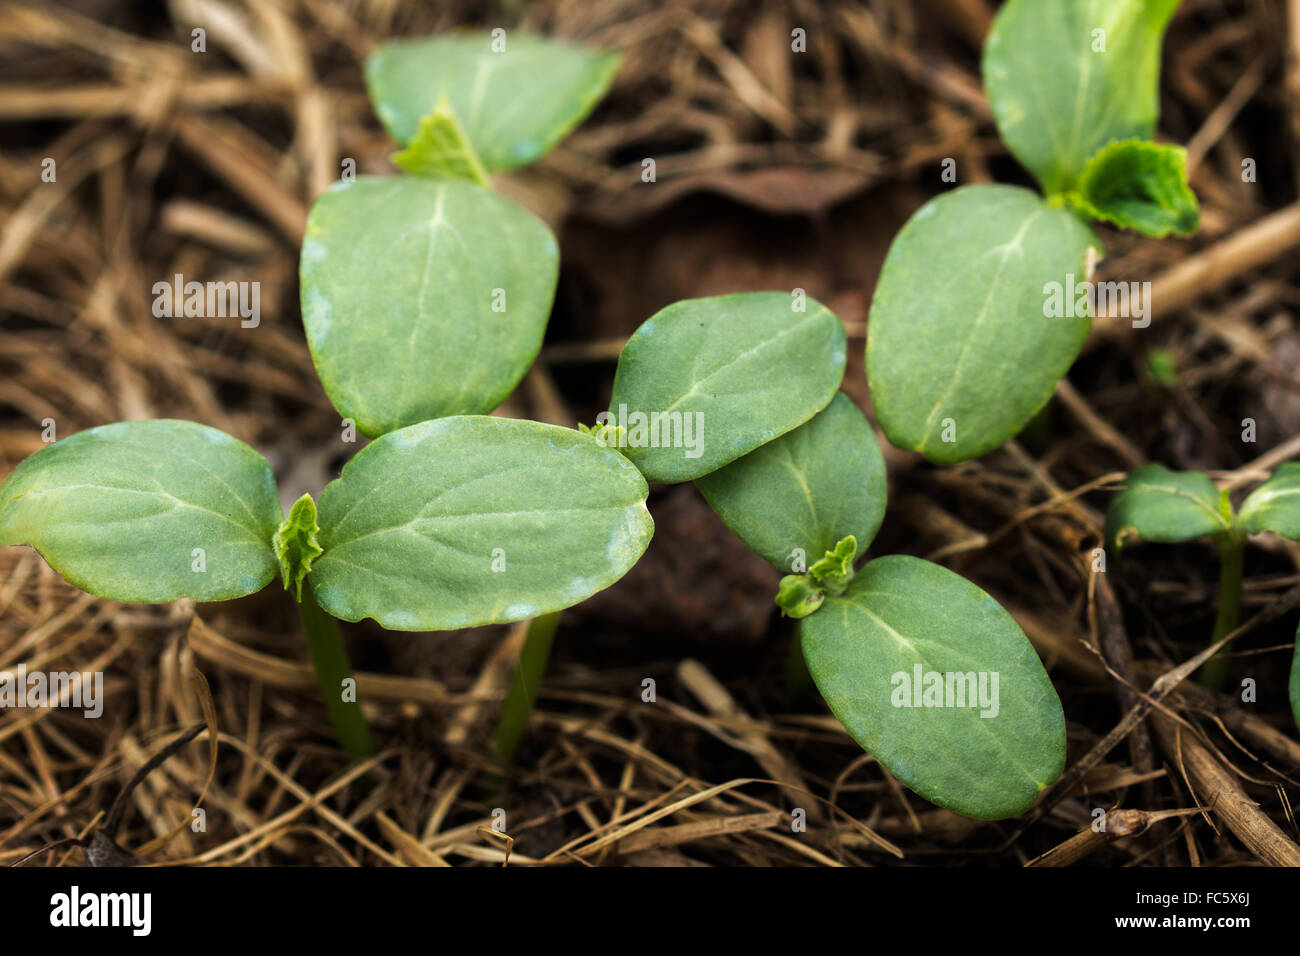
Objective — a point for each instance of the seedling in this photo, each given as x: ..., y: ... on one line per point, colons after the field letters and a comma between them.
x: 1159, y: 505
x: 985, y: 297
x: 427, y: 295
x: 923, y: 668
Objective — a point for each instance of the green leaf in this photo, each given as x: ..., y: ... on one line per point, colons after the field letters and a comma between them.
x: 1275, y: 505
x: 1056, y: 96
x: 705, y: 381
x: 900, y: 616
x: 966, y: 340
x: 147, y: 511
x: 422, y: 299
x: 835, y: 570
x: 1295, y: 681
x: 1138, y: 185
x: 797, y: 496
x: 296, y: 544
x: 799, y: 595
x: 476, y: 520
x: 440, y: 150
x: 1166, y: 507
x: 514, y: 105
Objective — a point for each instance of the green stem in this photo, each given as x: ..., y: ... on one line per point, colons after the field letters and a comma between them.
x: 798, y: 682
x: 525, y: 684
x: 331, y: 661
x: 1231, y: 550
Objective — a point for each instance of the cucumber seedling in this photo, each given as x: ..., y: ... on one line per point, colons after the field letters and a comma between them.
x: 428, y: 294
x: 985, y: 298
x: 1167, y: 507
x: 925, y: 670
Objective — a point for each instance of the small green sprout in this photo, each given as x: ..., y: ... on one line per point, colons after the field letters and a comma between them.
x: 1167, y: 507
x: 986, y: 295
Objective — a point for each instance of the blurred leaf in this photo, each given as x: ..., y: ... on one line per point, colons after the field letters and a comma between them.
x: 1275, y: 505
x: 1164, y: 506
x: 1056, y: 96
x: 1138, y: 185
x: 514, y: 105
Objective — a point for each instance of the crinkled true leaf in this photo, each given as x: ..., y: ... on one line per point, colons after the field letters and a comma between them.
x: 1138, y: 185
x: 1275, y: 505
x: 806, y: 490
x: 147, y: 511
x: 965, y: 344
x: 1060, y: 89
x: 513, y: 105
x: 901, y: 617
x: 422, y: 298
x: 440, y: 150
x: 705, y: 381
x: 476, y: 520
x: 1163, y: 506
x: 296, y: 544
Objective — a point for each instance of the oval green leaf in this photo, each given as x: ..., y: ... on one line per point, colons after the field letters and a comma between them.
x: 1275, y: 505
x: 705, y: 381
x: 147, y: 511
x: 422, y: 298
x: 1066, y: 77
x: 987, y: 754
x: 476, y: 520
x: 513, y: 105
x: 805, y: 491
x: 1165, y: 507
x: 966, y: 341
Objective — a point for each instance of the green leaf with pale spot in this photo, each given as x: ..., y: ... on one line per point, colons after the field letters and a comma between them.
x: 1165, y: 507
x: 440, y: 150
x: 963, y: 342
x: 724, y: 376
x: 147, y: 511
x: 900, y: 614
x: 514, y: 105
x: 296, y: 545
x: 1275, y: 505
x: 422, y: 298
x: 799, y: 495
x: 1138, y: 185
x: 476, y: 520
x: 1056, y: 100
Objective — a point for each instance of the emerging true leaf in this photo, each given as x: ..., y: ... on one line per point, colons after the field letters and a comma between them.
x: 799, y: 595
x: 1138, y: 185
x: 796, y: 497
x: 934, y: 678
x: 835, y: 570
x: 513, y: 103
x: 440, y: 150
x: 296, y: 544
x: 147, y: 511
x: 975, y: 319
x: 705, y: 381
x: 1066, y: 77
x: 476, y: 520
x: 422, y: 298
x: 1165, y: 506
x: 1275, y: 505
